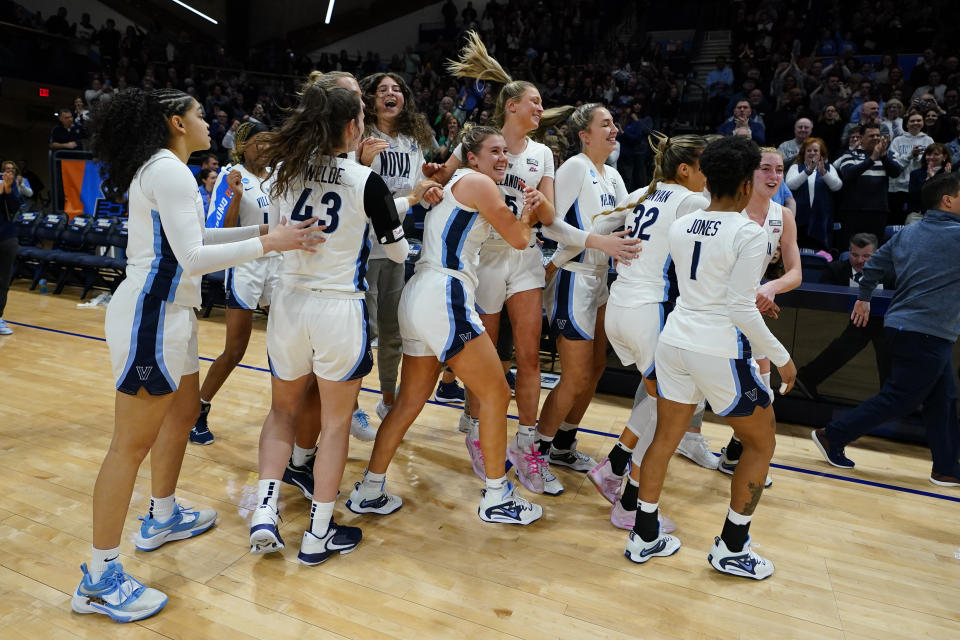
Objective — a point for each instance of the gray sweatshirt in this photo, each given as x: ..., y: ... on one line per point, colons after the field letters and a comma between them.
x: 923, y: 259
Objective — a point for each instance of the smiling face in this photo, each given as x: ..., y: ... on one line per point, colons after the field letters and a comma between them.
x: 601, y: 133
x: 768, y: 176
x: 388, y: 100
x: 802, y: 129
x: 914, y: 123
x: 491, y: 158
x: 527, y: 109
x: 209, y: 181
x: 812, y: 154
x: 859, y: 256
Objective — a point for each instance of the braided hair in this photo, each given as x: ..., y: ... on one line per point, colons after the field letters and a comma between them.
x: 244, y: 132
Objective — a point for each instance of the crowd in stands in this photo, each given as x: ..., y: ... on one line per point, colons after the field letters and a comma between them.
x: 859, y: 135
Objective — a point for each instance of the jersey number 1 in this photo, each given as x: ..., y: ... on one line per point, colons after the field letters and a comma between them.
x: 302, y: 211
x: 695, y: 261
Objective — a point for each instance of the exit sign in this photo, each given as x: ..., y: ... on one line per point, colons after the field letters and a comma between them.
x: 44, y: 93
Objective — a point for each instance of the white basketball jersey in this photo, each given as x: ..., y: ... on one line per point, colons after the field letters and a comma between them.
x: 645, y: 280
x: 401, y: 167
x: 254, y: 205
x: 582, y: 193
x: 717, y: 256
x: 338, y: 192
x: 773, y: 227
x: 452, y: 235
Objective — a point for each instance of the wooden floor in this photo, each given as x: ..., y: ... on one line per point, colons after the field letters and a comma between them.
x: 853, y: 560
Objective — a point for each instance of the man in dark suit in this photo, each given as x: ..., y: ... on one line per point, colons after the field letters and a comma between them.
x: 853, y: 339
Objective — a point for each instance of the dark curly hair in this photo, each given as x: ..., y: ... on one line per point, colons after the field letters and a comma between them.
x: 312, y: 130
x: 727, y: 163
x: 130, y: 128
x: 409, y: 122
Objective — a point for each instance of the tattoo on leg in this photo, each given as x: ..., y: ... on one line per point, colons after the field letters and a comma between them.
x: 755, y: 491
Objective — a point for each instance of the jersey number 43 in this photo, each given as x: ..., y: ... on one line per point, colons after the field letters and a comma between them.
x: 331, y: 199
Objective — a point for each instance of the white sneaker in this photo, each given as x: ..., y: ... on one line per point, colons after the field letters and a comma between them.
x: 728, y: 466
x: 639, y: 551
x: 744, y: 563
x: 505, y: 506
x: 360, y: 427
x: 117, y: 594
x: 526, y: 463
x: 572, y: 458
x: 4, y: 329
x: 382, y: 409
x: 381, y: 503
x: 184, y: 523
x: 551, y: 486
x: 337, y: 539
x: 264, y: 535
x: 694, y: 446
x: 467, y: 423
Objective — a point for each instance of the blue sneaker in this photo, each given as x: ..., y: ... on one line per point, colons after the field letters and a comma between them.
x: 512, y: 381
x: 449, y: 392
x: 117, y: 595
x: 300, y: 476
x: 337, y: 539
x: 200, y: 434
x: 4, y: 329
x: 184, y: 524
x: 744, y: 563
x: 831, y: 453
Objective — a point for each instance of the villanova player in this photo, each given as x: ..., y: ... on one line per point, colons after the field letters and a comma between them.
x: 575, y: 296
x: 317, y: 332
x: 510, y: 277
x: 705, y: 352
x: 641, y: 298
x: 439, y: 323
x: 240, y: 198
x: 143, y: 140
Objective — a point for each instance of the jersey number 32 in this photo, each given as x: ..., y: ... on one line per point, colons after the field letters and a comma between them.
x: 643, y: 219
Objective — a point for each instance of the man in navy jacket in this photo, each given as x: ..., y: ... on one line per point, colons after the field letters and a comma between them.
x: 921, y: 326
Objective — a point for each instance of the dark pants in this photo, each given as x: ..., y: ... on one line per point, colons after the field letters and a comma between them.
x: 8, y: 255
x: 844, y: 347
x: 921, y: 373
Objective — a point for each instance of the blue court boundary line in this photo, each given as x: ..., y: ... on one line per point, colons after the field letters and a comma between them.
x: 457, y: 406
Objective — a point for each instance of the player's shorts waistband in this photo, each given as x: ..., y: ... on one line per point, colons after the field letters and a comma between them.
x: 323, y: 293
x: 586, y: 269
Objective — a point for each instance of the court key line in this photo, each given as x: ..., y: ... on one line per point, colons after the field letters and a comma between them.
x: 785, y: 467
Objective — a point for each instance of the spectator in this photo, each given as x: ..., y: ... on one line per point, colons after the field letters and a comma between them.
x: 448, y: 139
x: 907, y: 150
x: 802, y: 129
x: 862, y: 95
x: 853, y: 339
x: 933, y: 86
x: 893, y: 117
x: 759, y: 104
x: 65, y: 135
x: 206, y: 178
x: 921, y: 327
x: 109, y: 39
x: 81, y: 116
x: 85, y: 30
x: 57, y: 24
x: 951, y: 102
x: 830, y: 93
x: 866, y: 174
x: 869, y: 114
x: 935, y: 160
x: 829, y: 127
x: 954, y: 145
x: 812, y: 179
x: 743, y: 118
x: 446, y: 106
x: 719, y: 88
x: 634, y: 129
x: 469, y: 14
x: 449, y: 12
x: 210, y: 161
x: 935, y: 126
x: 894, y: 83
x: 98, y: 91
x: 11, y: 200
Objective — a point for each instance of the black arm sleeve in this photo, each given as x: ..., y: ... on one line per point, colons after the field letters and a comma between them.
x: 378, y: 203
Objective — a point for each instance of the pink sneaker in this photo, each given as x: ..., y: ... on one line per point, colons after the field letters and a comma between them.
x: 605, y: 480
x: 623, y: 519
x: 476, y: 457
x: 527, y: 463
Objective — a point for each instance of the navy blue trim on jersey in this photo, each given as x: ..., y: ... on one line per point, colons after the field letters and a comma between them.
x: 462, y: 330
x: 145, y: 367
x: 273, y: 372
x: 572, y: 217
x: 564, y: 322
x: 364, y: 362
x: 165, y: 271
x: 751, y: 392
x: 743, y: 345
x: 360, y: 275
x: 230, y: 298
x: 454, y: 235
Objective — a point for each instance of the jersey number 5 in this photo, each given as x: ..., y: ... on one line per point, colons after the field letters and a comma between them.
x: 648, y: 216
x: 302, y: 211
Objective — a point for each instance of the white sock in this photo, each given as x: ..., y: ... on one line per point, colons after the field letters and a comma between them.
x: 161, y: 509
x: 372, y: 483
x: 737, y: 518
x: 526, y: 434
x: 99, y: 559
x: 540, y: 437
x: 268, y: 492
x: 321, y: 513
x: 566, y: 426
x: 475, y: 429
x: 647, y: 507
x: 301, y: 455
x: 766, y: 379
x: 624, y: 447
x: 496, y: 483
